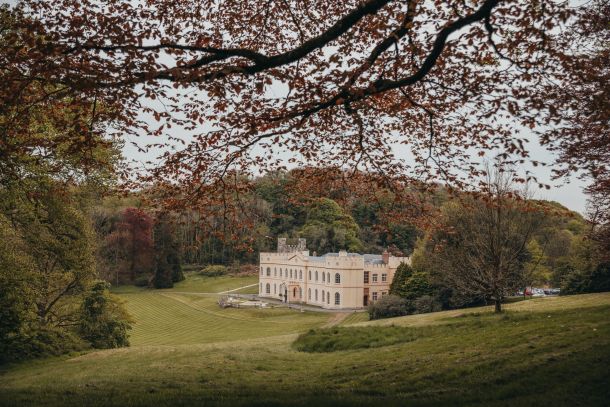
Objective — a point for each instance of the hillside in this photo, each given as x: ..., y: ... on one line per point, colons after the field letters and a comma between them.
x: 552, y: 351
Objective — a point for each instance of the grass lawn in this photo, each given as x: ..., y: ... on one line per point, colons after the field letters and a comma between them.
x: 199, y: 284
x: 552, y: 351
x: 169, y: 318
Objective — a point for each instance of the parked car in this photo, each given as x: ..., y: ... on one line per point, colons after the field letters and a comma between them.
x: 538, y: 292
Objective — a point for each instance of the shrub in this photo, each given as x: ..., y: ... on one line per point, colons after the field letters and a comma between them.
x: 104, y: 323
x: 142, y: 281
x: 248, y: 270
x: 213, y: 271
x: 594, y: 281
x: 336, y: 339
x: 427, y: 303
x: 388, y: 306
x: 41, y: 342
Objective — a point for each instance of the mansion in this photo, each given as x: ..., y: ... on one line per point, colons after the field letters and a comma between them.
x: 333, y: 281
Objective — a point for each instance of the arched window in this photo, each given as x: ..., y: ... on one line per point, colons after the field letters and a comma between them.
x: 308, y: 293
x: 337, y: 299
x: 337, y: 278
x: 316, y: 294
x: 290, y: 273
x: 294, y: 292
x: 328, y: 298
x: 300, y: 274
x: 280, y: 272
x: 316, y: 275
x: 274, y: 289
x: 310, y: 275
x: 268, y: 271
x: 275, y: 272
x: 300, y: 292
x: 323, y: 296
x: 268, y: 288
x: 323, y: 277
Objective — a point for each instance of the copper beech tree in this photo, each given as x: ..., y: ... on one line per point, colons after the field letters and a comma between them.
x: 405, y: 92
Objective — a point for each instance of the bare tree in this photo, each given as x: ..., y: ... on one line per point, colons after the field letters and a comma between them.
x: 482, y: 248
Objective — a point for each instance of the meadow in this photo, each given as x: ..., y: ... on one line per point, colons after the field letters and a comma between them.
x: 186, y: 350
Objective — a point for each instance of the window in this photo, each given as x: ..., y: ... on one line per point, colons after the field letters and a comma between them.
x: 310, y: 275
x: 261, y: 288
x: 280, y: 272
x: 275, y: 272
x: 384, y: 277
x: 328, y: 298
x: 268, y: 288
x: 274, y: 289
x: 294, y: 292
x: 309, y: 294
x: 290, y: 273
x: 316, y: 275
x: 366, y: 277
x: 323, y: 277
x: 300, y: 274
x: 337, y: 278
x: 262, y: 270
x: 384, y: 293
x: 374, y: 278
x: 268, y: 271
x: 322, y: 295
x: 337, y: 299
x: 316, y: 294
x: 300, y: 292
x: 375, y: 296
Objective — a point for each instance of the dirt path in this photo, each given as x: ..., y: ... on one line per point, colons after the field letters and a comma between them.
x: 336, y: 319
x: 238, y: 288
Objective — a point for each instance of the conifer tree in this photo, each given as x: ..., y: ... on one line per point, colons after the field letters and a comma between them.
x: 167, y: 262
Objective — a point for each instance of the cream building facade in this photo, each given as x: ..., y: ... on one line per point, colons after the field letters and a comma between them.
x: 332, y: 281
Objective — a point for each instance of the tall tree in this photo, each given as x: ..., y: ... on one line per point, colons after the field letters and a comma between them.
x: 168, y: 267
x: 328, y: 228
x: 17, y: 308
x: 482, y: 248
x: 128, y: 248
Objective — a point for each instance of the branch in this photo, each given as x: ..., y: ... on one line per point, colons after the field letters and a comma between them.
x: 382, y: 86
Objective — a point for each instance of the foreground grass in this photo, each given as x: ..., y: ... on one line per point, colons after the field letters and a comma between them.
x: 549, y: 352
x: 339, y: 338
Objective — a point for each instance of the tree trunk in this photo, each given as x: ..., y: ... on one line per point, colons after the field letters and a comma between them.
x: 498, y: 304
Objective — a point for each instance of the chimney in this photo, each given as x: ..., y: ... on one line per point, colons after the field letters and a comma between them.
x: 385, y: 256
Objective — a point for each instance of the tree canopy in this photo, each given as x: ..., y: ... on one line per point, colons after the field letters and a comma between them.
x: 341, y: 84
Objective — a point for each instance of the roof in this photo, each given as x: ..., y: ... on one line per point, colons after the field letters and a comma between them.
x: 368, y: 258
